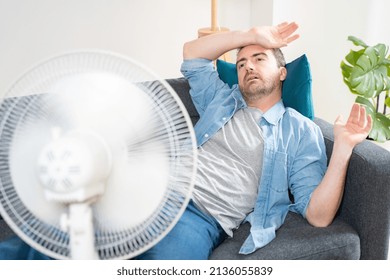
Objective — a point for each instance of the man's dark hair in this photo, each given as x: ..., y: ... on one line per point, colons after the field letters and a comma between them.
x: 281, y: 62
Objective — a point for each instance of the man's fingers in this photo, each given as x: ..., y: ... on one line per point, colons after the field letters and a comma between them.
x: 369, y: 124
x: 362, y: 117
x: 354, y: 116
x: 283, y: 24
x: 292, y: 38
x: 339, y: 119
x: 287, y: 29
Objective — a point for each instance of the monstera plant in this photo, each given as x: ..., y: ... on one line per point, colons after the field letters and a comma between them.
x: 366, y: 72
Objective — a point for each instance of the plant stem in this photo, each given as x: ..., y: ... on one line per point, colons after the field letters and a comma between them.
x: 377, y: 103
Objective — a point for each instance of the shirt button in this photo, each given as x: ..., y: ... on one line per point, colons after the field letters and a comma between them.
x: 206, y: 135
x: 224, y: 119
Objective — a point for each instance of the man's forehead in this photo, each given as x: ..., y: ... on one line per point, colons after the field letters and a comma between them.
x: 251, y: 50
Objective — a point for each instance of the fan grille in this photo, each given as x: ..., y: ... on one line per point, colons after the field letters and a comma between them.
x: 17, y: 215
x: 30, y: 101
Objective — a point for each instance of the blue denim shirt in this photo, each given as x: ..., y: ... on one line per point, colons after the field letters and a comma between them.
x: 294, y: 150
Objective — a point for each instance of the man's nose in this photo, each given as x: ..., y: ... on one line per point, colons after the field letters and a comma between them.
x: 249, y: 66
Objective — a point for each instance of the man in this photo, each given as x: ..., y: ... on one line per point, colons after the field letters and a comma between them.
x: 253, y: 150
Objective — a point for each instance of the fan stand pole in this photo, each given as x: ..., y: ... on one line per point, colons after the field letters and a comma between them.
x: 81, y: 232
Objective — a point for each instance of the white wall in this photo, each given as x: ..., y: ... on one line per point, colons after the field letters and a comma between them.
x: 324, y: 28
x: 150, y: 31
x: 153, y: 32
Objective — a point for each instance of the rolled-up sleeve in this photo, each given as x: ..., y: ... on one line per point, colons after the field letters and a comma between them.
x: 204, y: 81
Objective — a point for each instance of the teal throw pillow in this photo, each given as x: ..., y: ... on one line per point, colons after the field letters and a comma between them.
x: 296, y: 91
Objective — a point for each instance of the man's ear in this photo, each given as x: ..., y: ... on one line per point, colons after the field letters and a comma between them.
x: 283, y: 73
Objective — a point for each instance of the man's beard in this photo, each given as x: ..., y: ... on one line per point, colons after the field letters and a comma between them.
x: 259, y: 91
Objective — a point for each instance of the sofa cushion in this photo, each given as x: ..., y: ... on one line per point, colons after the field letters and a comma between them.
x: 296, y: 239
x: 296, y: 91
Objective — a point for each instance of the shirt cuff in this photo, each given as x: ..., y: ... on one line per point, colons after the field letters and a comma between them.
x: 196, y: 63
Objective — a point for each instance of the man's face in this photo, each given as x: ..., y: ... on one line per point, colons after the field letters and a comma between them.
x: 258, y: 72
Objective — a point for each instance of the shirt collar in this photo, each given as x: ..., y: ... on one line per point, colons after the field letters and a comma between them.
x: 241, y: 103
x: 273, y: 115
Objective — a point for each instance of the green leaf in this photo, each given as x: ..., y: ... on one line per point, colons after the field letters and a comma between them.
x: 381, y: 50
x: 387, y: 101
x: 370, y: 107
x: 366, y: 71
x: 381, y: 128
x: 357, y: 42
x: 353, y: 56
x: 381, y: 124
x: 346, y: 72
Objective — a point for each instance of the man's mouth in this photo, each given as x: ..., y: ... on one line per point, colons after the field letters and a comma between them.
x: 251, y: 78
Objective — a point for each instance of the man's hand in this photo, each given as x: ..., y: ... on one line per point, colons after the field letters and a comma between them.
x: 355, y: 130
x: 275, y: 36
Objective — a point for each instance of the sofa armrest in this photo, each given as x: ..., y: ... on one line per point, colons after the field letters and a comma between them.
x: 366, y: 201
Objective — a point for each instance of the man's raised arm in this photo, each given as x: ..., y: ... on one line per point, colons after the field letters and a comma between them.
x: 213, y: 46
x: 326, y: 198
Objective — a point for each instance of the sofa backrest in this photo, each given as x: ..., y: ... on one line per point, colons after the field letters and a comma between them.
x: 182, y: 88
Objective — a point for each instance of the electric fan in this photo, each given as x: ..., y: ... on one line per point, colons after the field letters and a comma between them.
x: 97, y: 157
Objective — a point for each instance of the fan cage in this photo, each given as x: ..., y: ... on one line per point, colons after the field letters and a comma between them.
x: 24, y: 100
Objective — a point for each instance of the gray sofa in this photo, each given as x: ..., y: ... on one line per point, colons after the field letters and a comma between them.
x: 360, y: 230
x: 362, y: 226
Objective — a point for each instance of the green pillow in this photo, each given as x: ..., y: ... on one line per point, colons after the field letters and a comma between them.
x: 296, y: 91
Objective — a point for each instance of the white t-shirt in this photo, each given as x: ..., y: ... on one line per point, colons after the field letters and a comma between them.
x: 229, y: 169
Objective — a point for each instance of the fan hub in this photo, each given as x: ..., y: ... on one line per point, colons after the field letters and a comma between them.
x: 74, y: 168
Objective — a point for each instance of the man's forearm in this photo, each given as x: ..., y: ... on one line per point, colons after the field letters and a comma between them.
x: 213, y: 46
x: 327, y: 197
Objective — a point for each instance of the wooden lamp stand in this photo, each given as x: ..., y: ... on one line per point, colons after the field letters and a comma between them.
x: 215, y: 28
